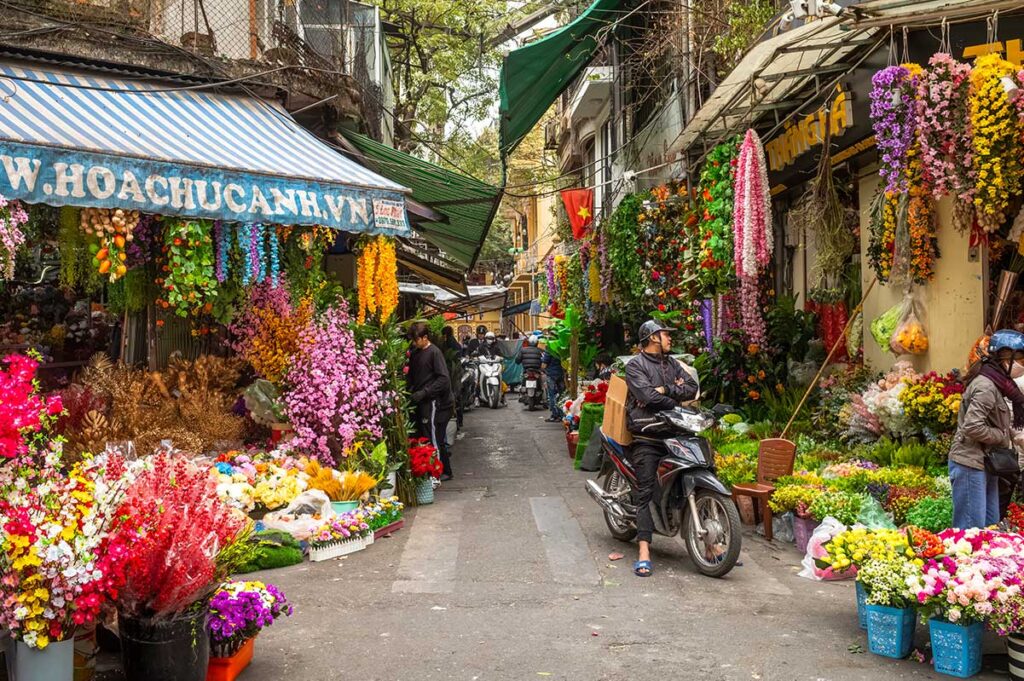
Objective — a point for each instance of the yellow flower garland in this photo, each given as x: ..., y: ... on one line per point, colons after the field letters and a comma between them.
x: 377, y: 279
x: 997, y: 141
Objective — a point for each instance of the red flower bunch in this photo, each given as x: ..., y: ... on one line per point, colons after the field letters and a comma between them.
x: 183, y: 528
x: 423, y: 460
x: 596, y: 394
x: 1015, y: 517
x: 24, y: 414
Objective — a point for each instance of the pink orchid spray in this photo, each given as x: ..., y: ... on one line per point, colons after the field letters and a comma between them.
x: 335, y: 388
x: 943, y: 116
x: 753, y: 244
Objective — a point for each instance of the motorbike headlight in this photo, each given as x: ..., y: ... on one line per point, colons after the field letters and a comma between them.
x: 693, y: 421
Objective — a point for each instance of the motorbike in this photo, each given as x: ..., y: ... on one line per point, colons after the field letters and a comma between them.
x: 468, y: 381
x: 689, y: 504
x: 532, y: 388
x: 490, y: 370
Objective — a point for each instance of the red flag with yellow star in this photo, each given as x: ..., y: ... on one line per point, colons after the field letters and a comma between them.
x: 579, y: 204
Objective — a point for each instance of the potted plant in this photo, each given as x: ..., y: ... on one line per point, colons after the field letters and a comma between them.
x: 797, y: 499
x: 848, y: 551
x: 424, y: 465
x: 238, y: 612
x: 890, y: 605
x: 188, y: 541
x: 344, y: 489
x: 338, y: 536
x: 387, y: 517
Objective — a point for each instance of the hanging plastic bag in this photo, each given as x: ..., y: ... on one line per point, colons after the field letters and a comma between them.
x: 856, y: 336
x: 885, y: 325
x: 873, y: 516
x: 829, y: 528
x: 909, y: 338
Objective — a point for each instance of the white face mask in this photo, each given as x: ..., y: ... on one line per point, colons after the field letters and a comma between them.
x: 1016, y: 370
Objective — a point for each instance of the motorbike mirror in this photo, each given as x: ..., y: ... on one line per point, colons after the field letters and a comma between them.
x: 720, y: 410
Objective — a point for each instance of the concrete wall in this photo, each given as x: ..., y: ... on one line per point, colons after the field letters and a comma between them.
x: 954, y: 300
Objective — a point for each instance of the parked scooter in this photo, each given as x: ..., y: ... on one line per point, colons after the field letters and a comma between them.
x: 532, y: 389
x: 490, y: 370
x: 689, y: 502
x: 468, y: 382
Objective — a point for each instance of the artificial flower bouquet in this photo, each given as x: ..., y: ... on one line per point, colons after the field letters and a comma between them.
x: 339, y: 528
x: 423, y: 459
x: 260, y: 480
x: 240, y: 610
x: 339, y: 485
x: 26, y: 417
x: 189, y: 540
x: 851, y: 549
x: 64, y: 548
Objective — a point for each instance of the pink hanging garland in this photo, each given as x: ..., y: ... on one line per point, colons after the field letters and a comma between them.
x: 752, y: 216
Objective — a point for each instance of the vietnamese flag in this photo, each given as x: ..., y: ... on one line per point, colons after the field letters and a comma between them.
x: 579, y: 204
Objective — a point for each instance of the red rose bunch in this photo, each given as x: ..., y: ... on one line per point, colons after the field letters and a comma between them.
x: 596, y: 394
x: 423, y: 460
x: 183, y: 530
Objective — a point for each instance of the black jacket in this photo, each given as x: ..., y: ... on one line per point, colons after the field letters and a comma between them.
x: 428, y: 377
x: 645, y: 373
x: 488, y: 350
x: 529, y: 357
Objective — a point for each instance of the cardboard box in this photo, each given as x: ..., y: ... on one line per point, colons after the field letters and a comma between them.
x: 614, y: 423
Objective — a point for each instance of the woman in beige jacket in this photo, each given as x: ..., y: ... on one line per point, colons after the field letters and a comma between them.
x: 992, y: 407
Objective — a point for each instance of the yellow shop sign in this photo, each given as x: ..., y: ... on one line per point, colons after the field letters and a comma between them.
x: 802, y: 135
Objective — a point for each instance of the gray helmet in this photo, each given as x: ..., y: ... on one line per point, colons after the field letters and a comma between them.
x: 490, y: 337
x: 649, y: 328
x: 531, y: 341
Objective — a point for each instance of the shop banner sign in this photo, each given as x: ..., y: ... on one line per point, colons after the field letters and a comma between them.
x: 62, y: 177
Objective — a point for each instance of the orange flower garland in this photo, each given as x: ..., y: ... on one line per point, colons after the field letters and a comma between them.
x: 377, y: 279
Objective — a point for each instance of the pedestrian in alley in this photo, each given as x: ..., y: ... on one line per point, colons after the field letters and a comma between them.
x: 431, y: 392
x: 453, y: 352
x: 554, y: 376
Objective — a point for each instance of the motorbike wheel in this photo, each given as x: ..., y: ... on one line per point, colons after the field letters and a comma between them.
x: 620, y: 528
x: 531, y: 403
x: 716, y: 553
x: 493, y: 400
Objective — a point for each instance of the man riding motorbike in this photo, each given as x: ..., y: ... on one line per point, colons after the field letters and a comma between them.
x: 490, y: 347
x: 530, y: 357
x: 656, y: 382
x: 473, y: 345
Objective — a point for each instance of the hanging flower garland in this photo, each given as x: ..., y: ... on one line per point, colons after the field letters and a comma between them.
x: 223, y: 245
x: 377, y: 277
x: 366, y: 273
x: 606, y: 272
x: 562, y: 277
x: 256, y: 251
x: 922, y: 245
x: 549, y: 269
x: 585, y: 259
x: 882, y: 240
x: 243, y: 240
x: 274, y: 261
x: 12, y: 217
x: 753, y: 232
x: 943, y: 106
x: 190, y: 282
x: 715, y: 240
x: 894, y: 118
x: 997, y: 141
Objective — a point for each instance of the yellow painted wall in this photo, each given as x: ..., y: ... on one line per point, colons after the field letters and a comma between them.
x: 954, y: 301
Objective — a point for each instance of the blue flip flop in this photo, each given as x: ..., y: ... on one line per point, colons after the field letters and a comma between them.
x: 643, y: 565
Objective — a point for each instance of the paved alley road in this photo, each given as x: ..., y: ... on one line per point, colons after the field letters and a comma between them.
x: 506, y: 577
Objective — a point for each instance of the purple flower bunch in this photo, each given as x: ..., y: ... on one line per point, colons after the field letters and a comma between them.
x: 335, y: 388
x: 240, y: 610
x: 145, y: 243
x: 943, y: 111
x: 894, y: 117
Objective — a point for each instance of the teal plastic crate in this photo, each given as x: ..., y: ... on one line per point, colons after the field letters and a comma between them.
x: 891, y: 630
x: 956, y: 649
x: 862, y: 604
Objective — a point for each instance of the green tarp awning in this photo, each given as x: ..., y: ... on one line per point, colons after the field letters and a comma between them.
x: 468, y: 204
x: 533, y: 76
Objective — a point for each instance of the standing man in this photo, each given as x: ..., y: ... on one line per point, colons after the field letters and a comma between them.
x: 554, y: 374
x: 472, y: 346
x: 453, y: 354
x: 431, y: 389
x: 656, y: 383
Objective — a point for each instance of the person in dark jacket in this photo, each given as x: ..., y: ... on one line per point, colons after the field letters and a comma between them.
x: 656, y: 382
x: 430, y: 387
x: 472, y: 346
x: 453, y: 352
x: 530, y: 355
x: 554, y: 377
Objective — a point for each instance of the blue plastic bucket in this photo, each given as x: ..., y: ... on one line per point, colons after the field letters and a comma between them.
x: 956, y: 649
x: 890, y: 630
x: 862, y: 602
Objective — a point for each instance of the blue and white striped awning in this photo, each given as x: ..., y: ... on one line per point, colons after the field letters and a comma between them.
x: 70, y: 137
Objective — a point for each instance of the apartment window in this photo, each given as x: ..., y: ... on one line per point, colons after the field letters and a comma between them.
x: 589, y: 157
